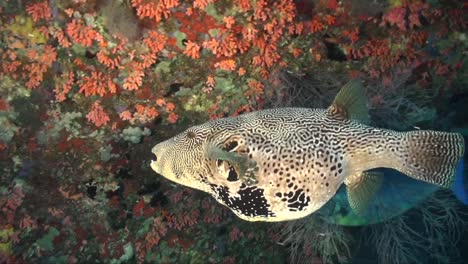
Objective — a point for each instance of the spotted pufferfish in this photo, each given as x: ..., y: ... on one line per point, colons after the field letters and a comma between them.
x: 286, y: 163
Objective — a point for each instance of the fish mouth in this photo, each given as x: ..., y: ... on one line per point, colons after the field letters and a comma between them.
x: 154, y: 166
x: 154, y: 160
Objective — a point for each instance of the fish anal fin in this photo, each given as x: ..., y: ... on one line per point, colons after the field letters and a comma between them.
x: 351, y: 103
x: 361, y: 189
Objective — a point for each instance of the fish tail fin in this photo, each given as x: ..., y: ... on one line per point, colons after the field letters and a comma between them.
x: 430, y: 156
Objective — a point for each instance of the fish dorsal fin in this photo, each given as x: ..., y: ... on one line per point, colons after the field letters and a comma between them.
x: 350, y: 103
x: 361, y: 189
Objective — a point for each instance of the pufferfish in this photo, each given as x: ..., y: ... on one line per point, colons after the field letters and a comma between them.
x: 286, y: 163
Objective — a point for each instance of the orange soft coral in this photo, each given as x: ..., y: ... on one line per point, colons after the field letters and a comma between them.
x: 202, y: 4
x: 80, y: 33
x: 227, y: 65
x: 41, y: 60
x: 144, y: 114
x: 192, y: 50
x: 156, y: 10
x: 104, y: 57
x: 97, y: 84
x: 63, y: 86
x: 97, y: 115
x: 172, y: 118
x: 134, y: 80
x: 39, y: 11
x: 61, y: 38
x: 155, y: 41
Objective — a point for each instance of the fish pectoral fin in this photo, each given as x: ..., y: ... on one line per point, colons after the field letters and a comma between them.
x: 247, y: 171
x: 361, y: 189
x: 350, y: 103
x: 245, y: 168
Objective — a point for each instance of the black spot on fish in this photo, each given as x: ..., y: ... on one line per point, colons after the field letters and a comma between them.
x: 231, y: 145
x: 232, y: 175
x: 298, y: 201
x: 250, y: 201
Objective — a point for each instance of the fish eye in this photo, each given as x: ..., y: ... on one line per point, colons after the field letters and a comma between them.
x: 191, y: 134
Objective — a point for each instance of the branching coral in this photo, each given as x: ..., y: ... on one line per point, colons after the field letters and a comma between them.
x: 426, y: 234
x: 97, y: 115
x: 430, y: 232
x: 38, y: 11
x: 312, y: 238
x: 97, y: 84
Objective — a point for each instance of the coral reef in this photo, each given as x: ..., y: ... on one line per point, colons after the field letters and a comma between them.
x: 88, y: 86
x: 314, y: 240
x: 428, y: 233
